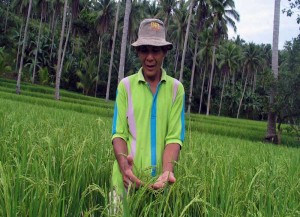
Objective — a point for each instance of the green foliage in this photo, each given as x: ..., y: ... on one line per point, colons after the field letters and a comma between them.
x: 288, y: 98
x: 60, y: 152
x: 294, y: 6
x: 88, y: 76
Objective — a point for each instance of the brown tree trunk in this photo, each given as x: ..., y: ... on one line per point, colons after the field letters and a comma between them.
x: 37, y: 49
x: 222, y: 93
x: 112, y: 53
x: 18, y: 87
x: 186, y: 40
x: 124, y: 40
x: 211, y: 79
x: 242, y: 97
x: 59, y: 54
x: 271, y: 135
x: 193, y: 73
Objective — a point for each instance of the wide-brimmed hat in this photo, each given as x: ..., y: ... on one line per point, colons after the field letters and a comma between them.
x: 152, y: 32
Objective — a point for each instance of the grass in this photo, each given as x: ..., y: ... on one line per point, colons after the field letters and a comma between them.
x: 56, y: 160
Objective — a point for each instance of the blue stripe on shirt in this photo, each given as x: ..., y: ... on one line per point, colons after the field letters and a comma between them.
x: 114, y: 130
x: 153, y: 132
x: 182, y: 120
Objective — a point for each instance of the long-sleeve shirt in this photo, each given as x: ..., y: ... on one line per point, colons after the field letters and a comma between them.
x: 147, y: 122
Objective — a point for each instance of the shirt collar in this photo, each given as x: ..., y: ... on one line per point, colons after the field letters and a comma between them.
x: 141, y: 76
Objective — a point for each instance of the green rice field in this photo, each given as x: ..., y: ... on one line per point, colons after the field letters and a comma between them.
x: 56, y: 160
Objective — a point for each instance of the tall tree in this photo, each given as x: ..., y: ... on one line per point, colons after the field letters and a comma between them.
x: 186, y: 39
x: 252, y: 60
x: 166, y: 9
x: 102, y: 23
x: 222, y: 11
x: 271, y: 126
x: 205, y: 55
x: 18, y: 88
x: 229, y: 58
x: 43, y: 7
x: 177, y: 30
x: 59, y: 54
x: 124, y: 40
x: 201, y: 17
x: 112, y: 52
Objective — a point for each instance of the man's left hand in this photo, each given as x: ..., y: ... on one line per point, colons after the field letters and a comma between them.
x: 163, y: 179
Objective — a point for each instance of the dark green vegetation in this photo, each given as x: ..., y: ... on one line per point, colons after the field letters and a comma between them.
x: 241, y: 71
x: 56, y: 160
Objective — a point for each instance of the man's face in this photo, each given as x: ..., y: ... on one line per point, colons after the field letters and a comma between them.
x: 151, y: 58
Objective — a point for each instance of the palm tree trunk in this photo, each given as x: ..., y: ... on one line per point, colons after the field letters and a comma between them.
x: 124, y: 40
x: 271, y: 134
x: 202, y: 89
x: 222, y: 93
x: 99, y: 63
x: 186, y: 40
x: 193, y: 73
x: 53, y: 34
x: 19, y: 45
x: 112, y: 53
x: 18, y: 88
x: 241, y: 100
x: 210, y: 79
x: 166, y: 23
x: 254, y: 80
x: 37, y: 49
x: 65, y: 46
x: 59, y: 54
x: 176, y: 59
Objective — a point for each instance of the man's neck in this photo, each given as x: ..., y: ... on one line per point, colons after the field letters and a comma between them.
x: 153, y: 79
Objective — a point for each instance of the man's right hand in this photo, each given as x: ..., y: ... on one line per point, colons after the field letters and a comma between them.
x: 128, y: 177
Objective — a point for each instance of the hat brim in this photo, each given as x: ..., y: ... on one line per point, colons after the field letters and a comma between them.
x: 152, y: 42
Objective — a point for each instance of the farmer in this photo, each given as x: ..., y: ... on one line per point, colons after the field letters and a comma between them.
x: 148, y: 122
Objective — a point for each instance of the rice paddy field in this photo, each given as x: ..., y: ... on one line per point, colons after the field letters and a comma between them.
x: 56, y: 160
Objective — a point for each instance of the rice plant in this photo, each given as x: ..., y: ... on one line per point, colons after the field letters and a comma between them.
x: 56, y: 160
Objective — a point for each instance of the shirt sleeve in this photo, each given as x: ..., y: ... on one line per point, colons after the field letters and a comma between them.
x: 176, y: 129
x: 119, y: 125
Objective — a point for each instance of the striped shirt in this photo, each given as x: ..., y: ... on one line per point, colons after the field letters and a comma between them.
x: 147, y: 122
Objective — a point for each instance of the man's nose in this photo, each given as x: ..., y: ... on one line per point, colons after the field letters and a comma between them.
x: 150, y: 55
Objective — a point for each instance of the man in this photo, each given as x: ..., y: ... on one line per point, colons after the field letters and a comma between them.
x: 148, y: 123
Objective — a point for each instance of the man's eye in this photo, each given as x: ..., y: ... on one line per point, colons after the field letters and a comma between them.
x: 143, y: 49
x: 156, y: 50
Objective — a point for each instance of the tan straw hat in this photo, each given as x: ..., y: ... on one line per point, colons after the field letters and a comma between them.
x: 152, y: 32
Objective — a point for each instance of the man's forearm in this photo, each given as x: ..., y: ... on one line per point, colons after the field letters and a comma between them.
x: 170, y: 155
x: 121, y: 152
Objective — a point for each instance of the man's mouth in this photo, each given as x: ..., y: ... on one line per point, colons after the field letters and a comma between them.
x: 150, y: 66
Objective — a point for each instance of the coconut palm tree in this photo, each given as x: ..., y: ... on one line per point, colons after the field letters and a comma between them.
x: 177, y: 30
x: 87, y: 75
x: 252, y: 61
x: 151, y: 8
x: 134, y: 20
x: 229, y: 59
x: 205, y: 54
x: 167, y: 7
x: 18, y: 87
x: 124, y: 40
x: 223, y: 14
x: 271, y: 127
x: 201, y: 18
x: 112, y: 52
x: 42, y: 4
x: 59, y: 58
x: 102, y: 24
x: 55, y: 6
x: 191, y: 6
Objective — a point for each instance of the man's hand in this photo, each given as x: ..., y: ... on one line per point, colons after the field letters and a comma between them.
x: 163, y: 179
x: 128, y: 177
